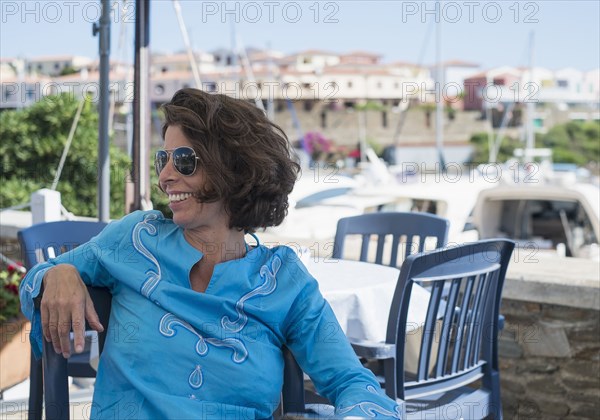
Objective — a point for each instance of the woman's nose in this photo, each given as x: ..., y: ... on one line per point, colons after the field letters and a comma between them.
x: 168, y: 173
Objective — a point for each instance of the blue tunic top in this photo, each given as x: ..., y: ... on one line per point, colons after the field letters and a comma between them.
x: 171, y: 351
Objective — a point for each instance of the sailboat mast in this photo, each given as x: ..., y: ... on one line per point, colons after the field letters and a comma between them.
x: 530, y: 139
x: 439, y: 109
x: 188, y: 45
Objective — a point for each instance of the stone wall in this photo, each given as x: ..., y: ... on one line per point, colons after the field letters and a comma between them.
x: 550, y: 352
x: 549, y: 361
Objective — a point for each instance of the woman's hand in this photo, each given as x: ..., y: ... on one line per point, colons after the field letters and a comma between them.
x: 65, y: 305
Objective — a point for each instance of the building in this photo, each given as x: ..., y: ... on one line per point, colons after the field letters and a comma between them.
x: 56, y: 65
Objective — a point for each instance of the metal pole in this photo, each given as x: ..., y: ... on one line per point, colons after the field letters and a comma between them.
x: 103, y: 139
x: 530, y: 139
x: 439, y: 114
x: 141, y: 110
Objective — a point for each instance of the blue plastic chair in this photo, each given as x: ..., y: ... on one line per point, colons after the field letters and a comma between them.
x: 57, y: 369
x: 416, y: 227
x: 294, y: 399
x: 466, y: 335
x: 39, y: 243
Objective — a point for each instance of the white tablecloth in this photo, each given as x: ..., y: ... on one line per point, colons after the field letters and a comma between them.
x: 360, y: 295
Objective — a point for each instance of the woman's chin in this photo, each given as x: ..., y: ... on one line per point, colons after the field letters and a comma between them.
x: 178, y: 213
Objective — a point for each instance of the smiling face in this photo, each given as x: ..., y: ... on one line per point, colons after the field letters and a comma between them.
x: 188, y: 213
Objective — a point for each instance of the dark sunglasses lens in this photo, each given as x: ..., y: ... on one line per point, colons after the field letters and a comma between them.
x: 160, y: 161
x: 184, y: 159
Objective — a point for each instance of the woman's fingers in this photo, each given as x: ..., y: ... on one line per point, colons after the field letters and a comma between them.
x: 92, y: 316
x: 63, y: 308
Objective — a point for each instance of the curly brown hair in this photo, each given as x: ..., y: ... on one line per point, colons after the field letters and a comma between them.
x: 246, y: 158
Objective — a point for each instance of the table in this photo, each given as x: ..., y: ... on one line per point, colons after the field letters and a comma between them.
x: 360, y: 295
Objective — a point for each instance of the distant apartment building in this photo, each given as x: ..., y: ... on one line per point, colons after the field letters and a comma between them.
x: 566, y: 87
x: 167, y: 63
x: 454, y: 73
x: 311, y: 75
x: 558, y: 96
x: 318, y: 89
x: 55, y: 65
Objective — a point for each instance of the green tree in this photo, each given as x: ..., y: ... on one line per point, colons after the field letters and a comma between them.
x: 573, y: 142
x: 33, y: 139
x: 481, y: 153
x: 68, y: 70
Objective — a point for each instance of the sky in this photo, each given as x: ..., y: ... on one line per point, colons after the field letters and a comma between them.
x: 487, y: 33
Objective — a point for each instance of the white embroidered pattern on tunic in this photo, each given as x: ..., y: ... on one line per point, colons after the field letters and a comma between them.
x: 152, y: 277
x: 240, y: 353
x: 370, y: 408
x: 195, y: 380
x: 265, y: 289
x: 168, y: 321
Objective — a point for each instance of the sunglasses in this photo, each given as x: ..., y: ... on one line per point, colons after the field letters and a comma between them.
x: 184, y: 160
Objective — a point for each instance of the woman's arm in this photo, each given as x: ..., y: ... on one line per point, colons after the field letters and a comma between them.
x: 322, y: 350
x: 54, y: 296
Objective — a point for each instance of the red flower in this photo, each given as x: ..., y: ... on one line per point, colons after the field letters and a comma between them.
x: 13, y: 288
x: 14, y: 267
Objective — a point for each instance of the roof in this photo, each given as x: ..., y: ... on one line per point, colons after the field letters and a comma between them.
x: 55, y: 58
x: 459, y: 63
x: 402, y: 64
x: 316, y: 52
x: 361, y: 54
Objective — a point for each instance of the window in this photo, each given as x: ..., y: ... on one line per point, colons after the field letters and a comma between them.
x: 323, y: 119
x: 547, y: 223
x: 308, y: 105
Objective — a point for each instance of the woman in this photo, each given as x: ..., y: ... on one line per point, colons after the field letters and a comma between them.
x: 199, y: 316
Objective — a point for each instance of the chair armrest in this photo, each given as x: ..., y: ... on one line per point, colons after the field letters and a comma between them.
x: 374, y: 349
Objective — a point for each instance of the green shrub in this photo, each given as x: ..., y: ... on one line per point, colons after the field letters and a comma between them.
x: 32, y: 143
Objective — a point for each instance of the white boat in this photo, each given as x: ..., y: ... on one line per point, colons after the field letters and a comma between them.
x: 560, y: 218
x: 317, y: 203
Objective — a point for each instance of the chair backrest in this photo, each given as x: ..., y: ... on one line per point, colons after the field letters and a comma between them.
x: 411, y: 229
x: 56, y: 367
x: 461, y: 321
x: 43, y: 241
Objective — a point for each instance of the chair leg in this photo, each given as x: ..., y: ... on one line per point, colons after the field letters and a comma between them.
x: 56, y: 386
x: 496, y: 400
x: 36, y: 389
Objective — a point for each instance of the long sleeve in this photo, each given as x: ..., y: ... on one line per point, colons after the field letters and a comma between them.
x: 324, y: 353
x: 87, y: 258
